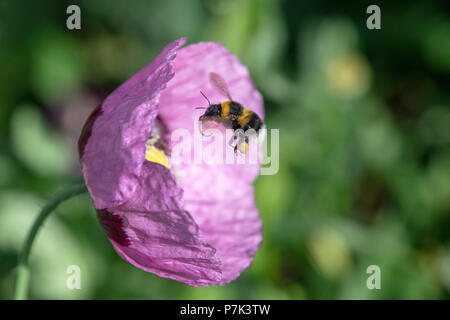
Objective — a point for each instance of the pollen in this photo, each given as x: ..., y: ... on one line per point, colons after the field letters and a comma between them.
x: 243, y: 147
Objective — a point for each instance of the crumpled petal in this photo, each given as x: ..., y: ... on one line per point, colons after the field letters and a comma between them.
x: 157, y: 235
x: 112, y: 143
x: 201, y: 228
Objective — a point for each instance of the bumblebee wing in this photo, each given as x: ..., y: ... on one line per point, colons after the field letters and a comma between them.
x: 220, y: 84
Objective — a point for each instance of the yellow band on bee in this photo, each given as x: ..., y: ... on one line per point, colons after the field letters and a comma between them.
x: 225, y: 108
x: 245, y: 117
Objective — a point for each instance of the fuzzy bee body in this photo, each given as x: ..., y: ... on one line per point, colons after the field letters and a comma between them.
x: 231, y: 114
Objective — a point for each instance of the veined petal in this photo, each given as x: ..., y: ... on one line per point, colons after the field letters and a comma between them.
x: 153, y: 232
x: 232, y: 226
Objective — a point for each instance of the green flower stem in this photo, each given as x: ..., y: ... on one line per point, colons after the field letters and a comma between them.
x: 23, y: 272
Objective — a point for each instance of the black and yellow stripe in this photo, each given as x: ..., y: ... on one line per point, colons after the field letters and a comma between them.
x: 225, y: 109
x: 254, y: 122
x: 245, y: 117
x: 241, y: 117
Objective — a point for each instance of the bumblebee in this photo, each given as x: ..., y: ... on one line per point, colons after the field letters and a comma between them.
x: 232, y: 115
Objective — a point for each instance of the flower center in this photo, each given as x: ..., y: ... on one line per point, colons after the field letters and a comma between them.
x: 154, y: 151
x: 155, y: 148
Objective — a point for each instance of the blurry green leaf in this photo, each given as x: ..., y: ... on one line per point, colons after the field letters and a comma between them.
x: 330, y: 253
x: 324, y: 41
x: 445, y: 269
x: 436, y: 46
x: 273, y: 194
x: 57, y: 67
x: 266, y: 292
x: 53, y: 251
x: 377, y: 138
x: 439, y: 179
x: 7, y: 169
x: 209, y: 293
x: 41, y: 149
x: 412, y: 193
x: 433, y: 127
x: 235, y: 25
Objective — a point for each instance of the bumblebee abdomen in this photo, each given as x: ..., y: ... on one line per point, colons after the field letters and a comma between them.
x: 245, y: 117
x: 254, y: 122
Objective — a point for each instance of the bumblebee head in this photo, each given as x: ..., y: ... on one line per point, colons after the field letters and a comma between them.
x: 212, y: 111
x: 211, y: 115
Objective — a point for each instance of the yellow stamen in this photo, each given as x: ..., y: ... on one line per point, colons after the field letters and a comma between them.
x: 156, y: 155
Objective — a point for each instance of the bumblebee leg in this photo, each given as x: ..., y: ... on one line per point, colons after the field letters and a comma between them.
x: 233, y: 138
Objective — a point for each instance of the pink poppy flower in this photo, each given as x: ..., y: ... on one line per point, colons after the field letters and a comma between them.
x: 194, y: 223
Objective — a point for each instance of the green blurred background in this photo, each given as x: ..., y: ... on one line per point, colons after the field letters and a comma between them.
x: 364, y: 119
